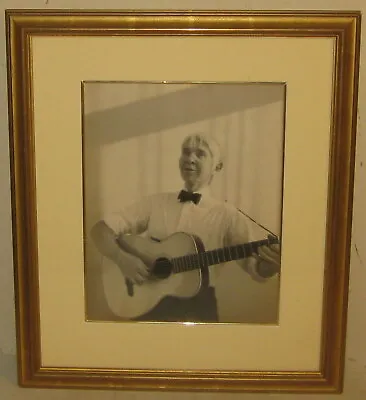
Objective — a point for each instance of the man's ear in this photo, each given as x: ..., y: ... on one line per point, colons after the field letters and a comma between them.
x: 219, y: 166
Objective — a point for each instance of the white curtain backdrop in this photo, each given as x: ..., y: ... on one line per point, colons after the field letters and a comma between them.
x: 131, y: 145
x: 142, y: 161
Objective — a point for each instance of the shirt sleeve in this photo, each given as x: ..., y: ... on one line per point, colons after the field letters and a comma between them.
x: 133, y: 219
x: 242, y: 230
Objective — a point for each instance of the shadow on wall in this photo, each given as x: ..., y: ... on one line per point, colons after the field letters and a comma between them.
x: 197, y: 103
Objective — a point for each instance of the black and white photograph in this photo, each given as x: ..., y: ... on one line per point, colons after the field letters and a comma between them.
x: 183, y: 188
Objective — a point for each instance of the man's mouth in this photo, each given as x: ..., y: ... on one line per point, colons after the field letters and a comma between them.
x: 188, y: 167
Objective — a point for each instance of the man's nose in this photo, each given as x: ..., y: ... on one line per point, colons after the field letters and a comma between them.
x: 191, y: 157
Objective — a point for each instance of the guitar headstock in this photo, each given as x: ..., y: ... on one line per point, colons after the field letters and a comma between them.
x: 272, y: 239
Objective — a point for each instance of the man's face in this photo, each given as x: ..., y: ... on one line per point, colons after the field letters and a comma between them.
x: 196, y: 165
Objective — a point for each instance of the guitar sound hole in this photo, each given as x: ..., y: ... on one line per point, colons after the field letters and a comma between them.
x: 162, y: 268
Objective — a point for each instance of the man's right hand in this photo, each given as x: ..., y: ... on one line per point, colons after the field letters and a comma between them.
x: 133, y: 269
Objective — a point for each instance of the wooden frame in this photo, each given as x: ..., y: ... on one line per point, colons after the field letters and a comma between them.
x: 39, y: 363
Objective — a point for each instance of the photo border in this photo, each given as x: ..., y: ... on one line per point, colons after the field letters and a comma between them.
x: 274, y: 320
x: 344, y: 27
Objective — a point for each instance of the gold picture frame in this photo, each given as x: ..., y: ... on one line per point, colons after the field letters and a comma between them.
x: 45, y: 46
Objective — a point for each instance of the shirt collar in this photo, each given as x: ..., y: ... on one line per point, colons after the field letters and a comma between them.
x: 204, y: 192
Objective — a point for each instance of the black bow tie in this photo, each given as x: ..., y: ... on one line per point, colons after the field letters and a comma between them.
x: 189, y: 196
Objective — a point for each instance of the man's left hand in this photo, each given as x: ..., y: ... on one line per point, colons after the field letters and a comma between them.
x: 269, y: 260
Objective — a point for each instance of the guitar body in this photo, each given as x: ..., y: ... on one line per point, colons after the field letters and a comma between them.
x: 129, y: 301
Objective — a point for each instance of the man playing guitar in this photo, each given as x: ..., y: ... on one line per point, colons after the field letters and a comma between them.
x: 195, y: 212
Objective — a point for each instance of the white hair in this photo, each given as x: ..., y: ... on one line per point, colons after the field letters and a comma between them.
x: 208, y: 140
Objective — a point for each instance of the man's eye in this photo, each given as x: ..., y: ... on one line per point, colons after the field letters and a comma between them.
x: 200, y: 154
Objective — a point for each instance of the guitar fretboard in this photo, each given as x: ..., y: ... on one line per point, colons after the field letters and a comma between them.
x: 225, y: 254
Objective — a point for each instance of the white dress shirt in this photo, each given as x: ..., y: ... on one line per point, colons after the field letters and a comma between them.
x: 216, y: 223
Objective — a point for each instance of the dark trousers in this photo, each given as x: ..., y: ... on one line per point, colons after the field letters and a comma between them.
x: 200, y: 308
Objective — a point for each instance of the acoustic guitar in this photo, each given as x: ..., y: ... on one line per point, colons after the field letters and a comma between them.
x: 178, y: 267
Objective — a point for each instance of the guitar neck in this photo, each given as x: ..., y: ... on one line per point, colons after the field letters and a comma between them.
x: 212, y: 257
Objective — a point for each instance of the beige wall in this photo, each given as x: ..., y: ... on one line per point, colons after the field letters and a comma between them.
x: 355, y: 383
